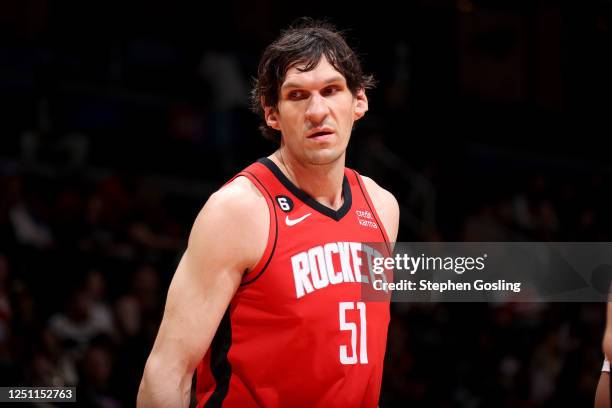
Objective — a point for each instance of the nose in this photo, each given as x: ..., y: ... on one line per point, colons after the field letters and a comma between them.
x: 317, y: 109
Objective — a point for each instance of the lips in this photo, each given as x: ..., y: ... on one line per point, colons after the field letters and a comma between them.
x: 319, y: 132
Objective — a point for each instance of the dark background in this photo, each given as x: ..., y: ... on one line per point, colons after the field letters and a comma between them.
x: 118, y: 119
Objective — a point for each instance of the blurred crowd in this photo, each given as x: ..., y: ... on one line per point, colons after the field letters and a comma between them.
x: 81, y: 291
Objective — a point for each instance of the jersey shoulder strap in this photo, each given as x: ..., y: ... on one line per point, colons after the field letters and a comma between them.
x: 258, y: 174
x: 358, y: 186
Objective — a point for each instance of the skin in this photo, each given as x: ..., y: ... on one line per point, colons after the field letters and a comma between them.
x: 203, y: 285
x: 317, y: 99
x: 602, y: 394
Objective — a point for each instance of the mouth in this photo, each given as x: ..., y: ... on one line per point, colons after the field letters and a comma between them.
x: 320, y: 134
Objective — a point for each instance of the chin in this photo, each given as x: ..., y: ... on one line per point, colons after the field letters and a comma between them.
x: 324, y: 156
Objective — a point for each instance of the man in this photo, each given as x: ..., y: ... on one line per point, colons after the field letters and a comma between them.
x: 266, y: 301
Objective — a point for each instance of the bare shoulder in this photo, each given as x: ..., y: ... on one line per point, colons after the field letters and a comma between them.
x: 237, y: 215
x: 379, y: 194
x: 239, y: 198
x: 240, y: 187
x: 386, y: 206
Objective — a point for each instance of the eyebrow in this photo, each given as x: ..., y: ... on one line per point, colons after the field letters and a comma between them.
x: 330, y: 80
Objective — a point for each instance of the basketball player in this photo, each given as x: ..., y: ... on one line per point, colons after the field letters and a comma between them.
x: 265, y: 301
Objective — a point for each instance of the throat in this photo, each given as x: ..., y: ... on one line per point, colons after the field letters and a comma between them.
x: 324, y: 183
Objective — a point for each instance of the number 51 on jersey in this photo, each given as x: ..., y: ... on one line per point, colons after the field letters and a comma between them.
x: 363, y: 337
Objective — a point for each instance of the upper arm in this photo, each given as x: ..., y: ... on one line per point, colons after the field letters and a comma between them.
x: 386, y: 207
x: 228, y: 237
x: 607, y: 340
x: 602, y: 392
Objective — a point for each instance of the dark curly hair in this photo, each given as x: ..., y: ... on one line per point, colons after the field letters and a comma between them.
x: 304, y: 42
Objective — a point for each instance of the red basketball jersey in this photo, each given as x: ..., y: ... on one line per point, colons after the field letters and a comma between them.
x: 298, y: 333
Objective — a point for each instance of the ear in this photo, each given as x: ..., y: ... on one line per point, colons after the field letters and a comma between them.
x: 271, y: 117
x: 361, y: 104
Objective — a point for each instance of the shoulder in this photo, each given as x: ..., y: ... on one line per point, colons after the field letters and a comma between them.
x: 235, y: 216
x: 238, y: 198
x: 386, y: 206
x: 379, y: 195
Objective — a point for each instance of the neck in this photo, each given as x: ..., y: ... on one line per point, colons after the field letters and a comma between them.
x: 323, y: 182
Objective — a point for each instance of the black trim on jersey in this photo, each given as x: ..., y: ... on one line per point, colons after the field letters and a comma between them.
x: 275, y: 233
x: 365, y: 197
x: 220, y: 366
x: 307, y: 199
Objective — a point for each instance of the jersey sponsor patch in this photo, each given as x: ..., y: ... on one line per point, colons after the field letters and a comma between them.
x: 365, y: 219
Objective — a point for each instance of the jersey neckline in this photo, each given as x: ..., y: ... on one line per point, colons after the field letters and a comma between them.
x: 306, y: 198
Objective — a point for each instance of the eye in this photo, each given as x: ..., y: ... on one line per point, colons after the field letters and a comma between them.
x: 330, y: 90
x: 296, y: 95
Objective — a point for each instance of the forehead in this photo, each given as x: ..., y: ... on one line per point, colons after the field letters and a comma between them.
x: 323, y: 72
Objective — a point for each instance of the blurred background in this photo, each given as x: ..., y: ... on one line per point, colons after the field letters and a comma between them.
x: 118, y: 120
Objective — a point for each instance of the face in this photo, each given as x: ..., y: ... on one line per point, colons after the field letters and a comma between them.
x: 315, y: 114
